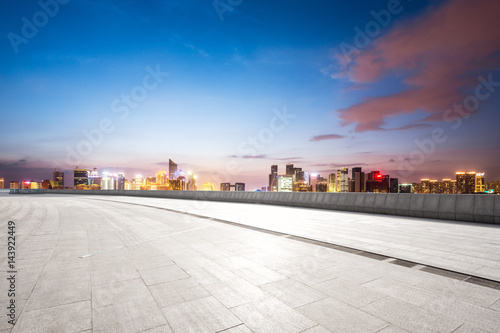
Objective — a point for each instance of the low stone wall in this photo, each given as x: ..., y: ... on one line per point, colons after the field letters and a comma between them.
x: 459, y: 207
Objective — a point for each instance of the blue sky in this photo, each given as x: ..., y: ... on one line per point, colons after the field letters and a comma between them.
x: 226, y: 81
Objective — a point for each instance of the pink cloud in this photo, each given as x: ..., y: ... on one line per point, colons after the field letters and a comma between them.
x: 436, y: 55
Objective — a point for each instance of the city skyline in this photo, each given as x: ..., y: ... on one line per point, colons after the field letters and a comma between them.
x: 230, y: 92
x: 292, y: 178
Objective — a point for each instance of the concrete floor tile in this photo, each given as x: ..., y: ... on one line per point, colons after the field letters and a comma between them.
x: 348, y: 292
x: 410, y: 317
x: 258, y: 274
x: 152, y: 262
x: 49, y: 295
x: 337, y: 316
x: 163, y: 274
x: 211, y: 274
x: 115, y: 274
x: 202, y: 315
x: 131, y: 316
x: 293, y: 293
x: 235, y: 292
x: 118, y: 292
x: 271, y: 315
x: 73, y: 317
x: 317, y: 329
x: 180, y: 291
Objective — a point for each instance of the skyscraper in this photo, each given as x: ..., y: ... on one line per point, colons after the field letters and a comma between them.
x: 331, y: 182
x: 120, y: 181
x: 161, y: 177
x: 273, y: 179
x: 58, y: 178
x: 466, y: 182
x: 81, y: 177
x: 358, y: 178
x: 172, y: 170
x: 480, y: 185
x: 343, y: 180
x: 2, y: 183
x: 285, y: 184
x: 393, y: 185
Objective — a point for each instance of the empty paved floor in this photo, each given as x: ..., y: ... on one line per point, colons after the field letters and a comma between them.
x: 105, y: 266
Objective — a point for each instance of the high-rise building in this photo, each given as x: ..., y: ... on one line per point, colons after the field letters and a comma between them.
x: 137, y: 183
x: 405, y: 188
x: 172, y: 170
x: 81, y: 177
x: 377, y: 182
x: 331, y: 182
x: 58, y: 177
x: 290, y: 170
x: 191, y: 185
x: 358, y: 178
x: 343, y: 180
x: 466, y: 182
x: 285, y: 183
x: 239, y: 187
x: 434, y: 186
x: 425, y: 185
x: 162, y: 177
x: 480, y: 184
x: 107, y: 181
x: 322, y: 185
x: 2, y: 183
x: 120, y: 181
x: 225, y: 187
x: 273, y: 179
x: 393, y: 185
x: 15, y: 185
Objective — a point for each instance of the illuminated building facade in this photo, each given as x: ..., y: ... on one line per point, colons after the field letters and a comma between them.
x: 466, y: 182
x: 343, y: 179
x: 15, y: 185
x: 273, y: 179
x: 208, y: 187
x: 2, y: 183
x: 393, y: 185
x: 58, y: 178
x: 225, y: 187
x: 425, y: 185
x: 162, y: 177
x: 480, y: 186
x: 331, y: 182
x: 405, y: 188
x: 285, y: 183
x: 239, y: 187
x: 81, y: 177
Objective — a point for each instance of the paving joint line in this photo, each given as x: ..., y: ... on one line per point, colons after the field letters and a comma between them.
x: 474, y: 279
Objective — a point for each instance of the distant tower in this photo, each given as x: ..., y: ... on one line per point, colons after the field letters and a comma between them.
x: 58, y: 178
x: 2, y: 183
x: 172, y: 170
x: 81, y: 177
x: 273, y: 179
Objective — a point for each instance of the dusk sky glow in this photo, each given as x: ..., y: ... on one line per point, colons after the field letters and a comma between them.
x: 262, y: 84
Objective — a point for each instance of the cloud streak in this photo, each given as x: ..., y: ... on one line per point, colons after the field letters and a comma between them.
x: 436, y: 56
x: 327, y: 137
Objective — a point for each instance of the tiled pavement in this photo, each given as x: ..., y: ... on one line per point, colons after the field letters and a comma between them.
x: 87, y: 265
